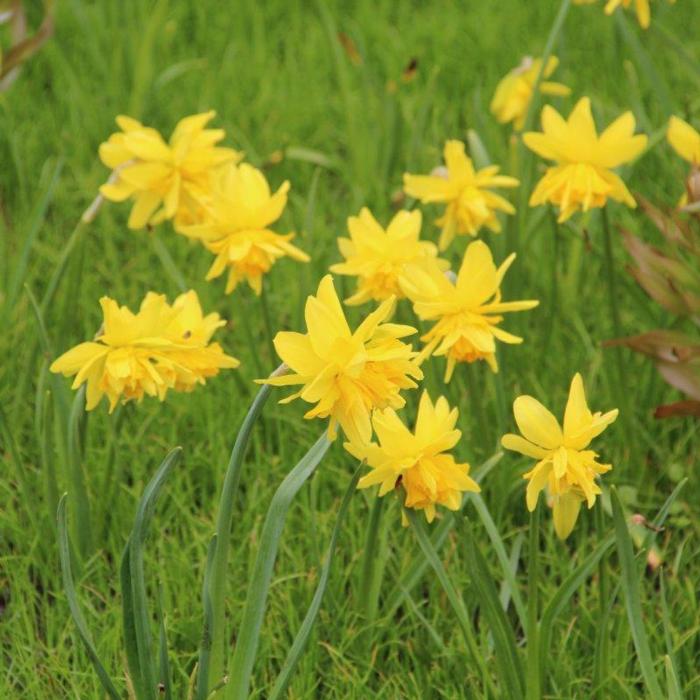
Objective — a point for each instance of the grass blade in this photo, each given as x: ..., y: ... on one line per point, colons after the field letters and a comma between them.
x: 254, y: 611
x: 503, y: 559
x: 452, y: 595
x: 205, y: 645
x: 409, y: 579
x: 630, y: 587
x: 506, y: 653
x: 302, y: 636
x: 136, y: 583
x: 564, y: 593
x: 76, y: 613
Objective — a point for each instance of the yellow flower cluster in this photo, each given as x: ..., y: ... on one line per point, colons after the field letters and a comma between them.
x: 466, y: 311
x: 347, y: 374
x: 355, y: 378
x: 161, y: 347
x: 565, y: 467
x: 466, y: 193
x: 418, y: 459
x: 583, y: 178
x: 200, y: 187
x: 513, y: 95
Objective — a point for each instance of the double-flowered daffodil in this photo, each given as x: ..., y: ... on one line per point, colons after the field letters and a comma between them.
x: 583, y: 177
x: 467, y: 311
x: 418, y: 461
x: 514, y: 93
x: 379, y: 257
x: 166, y: 180
x: 466, y: 193
x: 347, y: 374
x: 565, y: 467
x: 236, y: 227
x: 159, y: 348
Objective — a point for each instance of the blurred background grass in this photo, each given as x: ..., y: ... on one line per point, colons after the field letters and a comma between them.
x: 342, y: 126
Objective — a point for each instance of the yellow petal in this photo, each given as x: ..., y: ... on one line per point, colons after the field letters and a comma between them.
x: 536, y: 423
x: 565, y: 512
x: 684, y: 139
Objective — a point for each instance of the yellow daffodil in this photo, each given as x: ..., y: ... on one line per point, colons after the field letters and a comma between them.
x: 159, y: 348
x: 418, y: 460
x: 565, y: 467
x: 514, y: 93
x: 347, y: 374
x: 165, y: 180
x: 466, y: 193
x: 235, y: 227
x: 378, y: 257
x: 467, y: 312
x: 641, y: 7
x: 582, y: 177
x: 684, y: 139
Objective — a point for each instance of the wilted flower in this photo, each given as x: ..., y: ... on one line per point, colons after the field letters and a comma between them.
x: 467, y: 312
x: 235, y: 227
x: 583, y: 178
x: 166, y: 180
x: 159, y: 348
x: 347, y: 375
x: 684, y: 139
x: 417, y: 460
x: 514, y: 93
x: 565, y: 467
x: 379, y: 257
x: 470, y: 203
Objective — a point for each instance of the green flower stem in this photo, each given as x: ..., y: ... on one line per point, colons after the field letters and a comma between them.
x: 533, y: 656
x: 523, y: 159
x: 218, y: 575
x: 621, y: 394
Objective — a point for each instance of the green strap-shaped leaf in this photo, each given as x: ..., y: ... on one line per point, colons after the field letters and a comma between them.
x: 137, y: 624
x: 630, y: 587
x: 302, y: 636
x: 217, y: 565
x: 254, y: 611
x: 76, y: 613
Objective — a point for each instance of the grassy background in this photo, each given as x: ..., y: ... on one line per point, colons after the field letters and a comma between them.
x: 282, y: 84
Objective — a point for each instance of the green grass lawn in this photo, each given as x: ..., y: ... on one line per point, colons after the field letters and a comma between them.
x: 343, y: 132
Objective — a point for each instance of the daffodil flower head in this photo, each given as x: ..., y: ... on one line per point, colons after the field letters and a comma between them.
x: 239, y: 212
x: 466, y: 193
x: 467, y: 310
x: 418, y: 461
x: 583, y: 178
x: 379, y: 257
x: 565, y: 467
x: 165, y: 179
x: 514, y: 92
x: 161, y: 347
x: 347, y: 374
